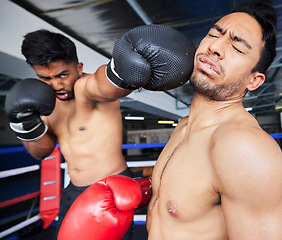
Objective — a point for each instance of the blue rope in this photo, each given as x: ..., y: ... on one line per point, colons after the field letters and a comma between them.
x: 143, y: 145
x: 276, y: 135
x: 124, y: 146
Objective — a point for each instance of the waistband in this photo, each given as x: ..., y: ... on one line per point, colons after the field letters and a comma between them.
x: 127, y: 172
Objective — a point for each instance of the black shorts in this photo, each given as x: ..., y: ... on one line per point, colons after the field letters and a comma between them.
x: 71, y: 192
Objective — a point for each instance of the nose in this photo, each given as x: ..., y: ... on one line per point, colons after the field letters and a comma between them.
x: 56, y: 84
x: 217, y: 48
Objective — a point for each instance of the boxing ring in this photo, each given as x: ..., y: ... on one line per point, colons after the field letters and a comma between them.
x: 53, y: 178
x: 48, y: 194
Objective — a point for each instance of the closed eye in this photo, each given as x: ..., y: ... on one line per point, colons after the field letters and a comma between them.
x: 237, y: 49
x: 211, y: 35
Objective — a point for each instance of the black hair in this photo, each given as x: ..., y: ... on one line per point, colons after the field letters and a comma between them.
x: 42, y: 47
x: 266, y: 16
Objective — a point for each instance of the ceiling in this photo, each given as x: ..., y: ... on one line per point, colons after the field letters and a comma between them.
x: 99, y: 23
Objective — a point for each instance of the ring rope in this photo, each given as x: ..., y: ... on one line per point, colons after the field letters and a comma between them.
x: 19, y: 199
x: 124, y: 146
x: 19, y: 226
x: 138, y: 219
x: 18, y: 171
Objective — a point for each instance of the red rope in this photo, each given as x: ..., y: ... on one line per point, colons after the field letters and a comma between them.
x: 19, y: 199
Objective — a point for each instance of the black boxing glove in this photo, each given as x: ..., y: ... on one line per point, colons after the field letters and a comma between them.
x: 154, y: 57
x: 25, y: 103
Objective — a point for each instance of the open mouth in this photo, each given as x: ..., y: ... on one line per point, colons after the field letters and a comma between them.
x: 62, y: 95
x: 208, y: 67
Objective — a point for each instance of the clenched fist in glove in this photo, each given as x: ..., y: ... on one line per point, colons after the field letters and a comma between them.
x: 153, y: 57
x: 104, y: 210
x: 25, y: 103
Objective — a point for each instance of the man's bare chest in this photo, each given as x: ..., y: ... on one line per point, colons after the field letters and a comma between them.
x: 186, y: 179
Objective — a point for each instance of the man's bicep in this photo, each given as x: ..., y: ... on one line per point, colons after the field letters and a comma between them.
x: 251, y: 190
x: 245, y: 222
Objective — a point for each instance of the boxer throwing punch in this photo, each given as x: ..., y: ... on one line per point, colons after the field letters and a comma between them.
x: 81, y: 111
x: 220, y: 175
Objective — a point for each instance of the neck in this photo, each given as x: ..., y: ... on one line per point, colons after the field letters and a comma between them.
x: 205, y: 112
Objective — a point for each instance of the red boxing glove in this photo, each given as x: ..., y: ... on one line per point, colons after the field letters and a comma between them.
x: 146, y: 187
x: 105, y: 210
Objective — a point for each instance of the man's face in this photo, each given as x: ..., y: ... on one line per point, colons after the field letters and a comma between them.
x: 60, y: 76
x: 226, y: 56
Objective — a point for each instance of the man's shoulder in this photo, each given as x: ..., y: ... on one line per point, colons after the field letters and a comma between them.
x: 246, y: 149
x: 238, y: 130
x: 241, y: 134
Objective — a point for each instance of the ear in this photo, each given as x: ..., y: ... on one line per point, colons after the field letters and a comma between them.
x: 256, y: 81
x: 80, y: 68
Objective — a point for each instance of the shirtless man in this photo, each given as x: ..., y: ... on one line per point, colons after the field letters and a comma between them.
x: 220, y: 175
x: 86, y: 120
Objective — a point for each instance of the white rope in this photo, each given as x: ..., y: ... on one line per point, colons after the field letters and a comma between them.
x: 18, y: 171
x: 141, y: 163
x: 140, y: 218
x: 150, y: 163
x: 19, y: 226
